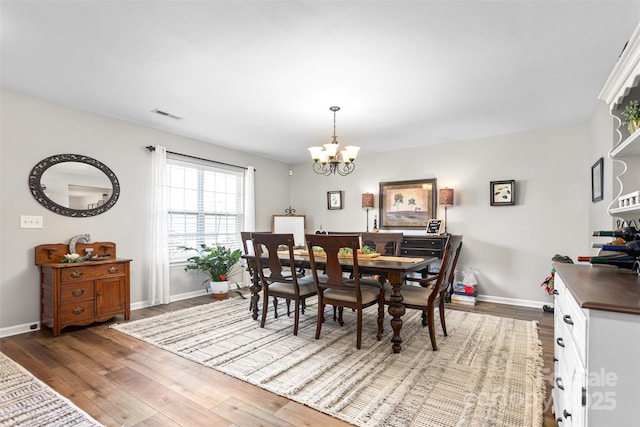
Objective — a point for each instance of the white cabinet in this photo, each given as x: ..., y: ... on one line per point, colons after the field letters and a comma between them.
x: 596, y: 346
x: 621, y: 88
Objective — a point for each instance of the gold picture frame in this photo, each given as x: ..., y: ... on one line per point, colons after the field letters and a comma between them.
x: 408, y: 204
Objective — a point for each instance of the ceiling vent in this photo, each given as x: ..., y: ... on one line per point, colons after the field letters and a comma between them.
x: 164, y: 113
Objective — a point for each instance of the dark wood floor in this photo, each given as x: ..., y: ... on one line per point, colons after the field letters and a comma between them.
x: 121, y: 381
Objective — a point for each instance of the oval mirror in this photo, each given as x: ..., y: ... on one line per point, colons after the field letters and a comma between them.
x: 74, y: 185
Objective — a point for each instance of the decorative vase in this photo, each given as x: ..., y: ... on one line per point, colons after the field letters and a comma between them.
x: 633, y: 126
x: 219, y: 290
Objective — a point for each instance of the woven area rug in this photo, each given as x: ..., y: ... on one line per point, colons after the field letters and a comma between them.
x: 487, y: 372
x: 27, y: 401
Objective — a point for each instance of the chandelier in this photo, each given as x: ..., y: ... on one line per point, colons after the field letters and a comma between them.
x: 327, y: 160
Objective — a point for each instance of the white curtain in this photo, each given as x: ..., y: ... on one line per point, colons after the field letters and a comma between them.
x: 249, y: 210
x: 158, y: 243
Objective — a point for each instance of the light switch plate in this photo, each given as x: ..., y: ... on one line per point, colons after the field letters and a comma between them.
x: 30, y: 221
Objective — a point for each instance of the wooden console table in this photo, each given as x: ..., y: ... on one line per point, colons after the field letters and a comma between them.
x: 84, y: 292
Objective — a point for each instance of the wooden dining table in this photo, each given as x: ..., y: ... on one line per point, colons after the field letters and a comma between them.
x: 395, y: 269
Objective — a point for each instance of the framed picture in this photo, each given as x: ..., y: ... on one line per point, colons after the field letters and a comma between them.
x: 334, y: 199
x: 597, y: 180
x: 434, y: 226
x: 407, y: 204
x: 502, y: 193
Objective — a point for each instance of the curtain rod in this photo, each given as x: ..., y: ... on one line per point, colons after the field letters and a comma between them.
x: 152, y: 148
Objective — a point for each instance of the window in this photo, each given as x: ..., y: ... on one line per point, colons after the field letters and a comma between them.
x: 205, y: 206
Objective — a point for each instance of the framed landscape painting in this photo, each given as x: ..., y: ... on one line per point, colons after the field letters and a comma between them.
x: 407, y: 204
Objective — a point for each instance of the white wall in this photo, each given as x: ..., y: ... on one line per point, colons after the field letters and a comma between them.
x: 509, y: 246
x: 33, y: 129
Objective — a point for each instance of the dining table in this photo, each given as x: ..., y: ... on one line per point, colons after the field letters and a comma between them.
x: 393, y: 268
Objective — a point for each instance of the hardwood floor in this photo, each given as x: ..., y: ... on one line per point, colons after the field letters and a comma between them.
x: 121, y: 381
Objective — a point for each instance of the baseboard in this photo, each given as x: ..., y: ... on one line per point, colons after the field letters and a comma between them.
x: 513, y: 301
x: 19, y: 329
x: 172, y: 298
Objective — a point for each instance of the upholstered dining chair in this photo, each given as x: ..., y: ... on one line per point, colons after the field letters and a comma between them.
x: 430, y: 293
x: 331, y: 286
x: 280, y: 282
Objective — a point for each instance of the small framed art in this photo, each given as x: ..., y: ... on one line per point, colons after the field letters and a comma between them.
x: 502, y: 193
x: 597, y: 180
x: 334, y: 199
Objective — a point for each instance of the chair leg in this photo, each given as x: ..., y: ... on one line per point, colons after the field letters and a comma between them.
x: 340, y: 311
x: 425, y: 322
x: 289, y: 307
x: 359, y: 336
x: 320, y: 318
x: 432, y: 329
x: 303, y: 305
x: 265, y: 307
x: 335, y: 317
x: 296, y: 318
x: 442, y: 321
x: 275, y: 307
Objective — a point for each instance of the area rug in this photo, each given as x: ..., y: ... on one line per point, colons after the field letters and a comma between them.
x: 27, y: 401
x: 487, y: 372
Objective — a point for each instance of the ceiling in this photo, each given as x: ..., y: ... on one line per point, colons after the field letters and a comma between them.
x: 260, y: 76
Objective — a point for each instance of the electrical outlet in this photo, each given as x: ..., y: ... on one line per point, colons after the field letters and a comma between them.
x: 30, y: 221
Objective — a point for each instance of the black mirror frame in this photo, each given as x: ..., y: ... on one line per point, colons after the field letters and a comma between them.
x: 36, y: 189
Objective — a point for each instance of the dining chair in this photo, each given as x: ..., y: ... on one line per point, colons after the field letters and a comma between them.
x: 381, y: 241
x: 331, y: 287
x: 430, y: 293
x: 280, y: 282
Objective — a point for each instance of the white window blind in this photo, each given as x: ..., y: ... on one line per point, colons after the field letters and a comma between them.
x: 205, y: 206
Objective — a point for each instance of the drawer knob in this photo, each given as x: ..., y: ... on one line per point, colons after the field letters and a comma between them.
x: 558, y: 421
x: 113, y: 270
x: 567, y: 319
x: 99, y: 293
x: 559, y: 383
x: 76, y: 274
x: 555, y: 292
x: 566, y: 414
x: 77, y: 292
x: 78, y: 310
x: 560, y: 342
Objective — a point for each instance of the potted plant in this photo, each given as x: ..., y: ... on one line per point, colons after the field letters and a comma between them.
x: 218, y: 263
x: 632, y: 115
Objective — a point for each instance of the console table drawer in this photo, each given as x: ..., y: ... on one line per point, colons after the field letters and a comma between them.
x: 419, y: 252
x: 91, y: 272
x: 74, y: 292
x: 72, y: 313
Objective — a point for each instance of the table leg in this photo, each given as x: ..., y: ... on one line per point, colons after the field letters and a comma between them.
x: 396, y: 310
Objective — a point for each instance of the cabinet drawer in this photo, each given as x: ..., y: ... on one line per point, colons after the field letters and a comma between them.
x: 419, y: 252
x: 74, y: 292
x: 73, y: 274
x: 422, y: 243
x: 71, y: 313
x: 575, y: 323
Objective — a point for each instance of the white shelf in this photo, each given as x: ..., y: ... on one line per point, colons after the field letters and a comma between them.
x: 628, y: 147
x: 626, y: 209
